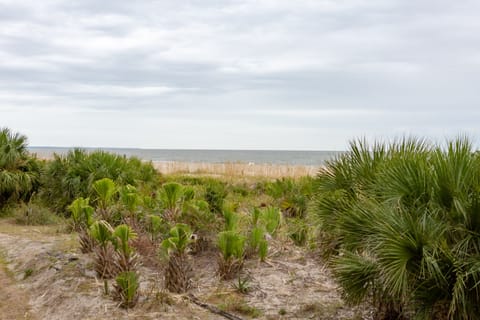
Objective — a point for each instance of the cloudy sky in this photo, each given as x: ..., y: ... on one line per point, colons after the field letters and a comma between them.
x: 258, y: 74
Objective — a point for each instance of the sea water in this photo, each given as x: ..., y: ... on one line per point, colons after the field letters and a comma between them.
x: 210, y: 156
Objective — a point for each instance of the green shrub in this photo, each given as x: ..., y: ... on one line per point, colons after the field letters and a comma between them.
x: 291, y: 195
x: 232, y: 248
x: 402, y: 220
x: 215, y: 194
x: 19, y: 172
x: 271, y: 218
x: 71, y: 176
x: 32, y: 213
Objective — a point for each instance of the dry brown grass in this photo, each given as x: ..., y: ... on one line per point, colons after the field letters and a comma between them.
x: 237, y: 169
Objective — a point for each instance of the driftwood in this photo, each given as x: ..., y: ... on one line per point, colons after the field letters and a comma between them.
x: 211, y: 308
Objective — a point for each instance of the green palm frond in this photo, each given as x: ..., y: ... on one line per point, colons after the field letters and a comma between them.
x: 179, y: 239
x: 102, y: 232
x: 106, y: 190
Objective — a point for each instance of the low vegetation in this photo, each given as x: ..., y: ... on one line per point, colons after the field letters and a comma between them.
x: 397, y: 224
x: 401, y: 226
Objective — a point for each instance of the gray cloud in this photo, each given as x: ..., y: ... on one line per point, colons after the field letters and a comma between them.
x: 237, y: 74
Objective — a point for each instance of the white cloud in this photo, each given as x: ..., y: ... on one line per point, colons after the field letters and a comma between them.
x: 260, y: 74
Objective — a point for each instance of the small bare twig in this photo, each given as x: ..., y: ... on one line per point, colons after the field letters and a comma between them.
x: 211, y: 308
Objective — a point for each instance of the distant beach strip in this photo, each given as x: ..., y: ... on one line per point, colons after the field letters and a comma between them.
x: 268, y: 163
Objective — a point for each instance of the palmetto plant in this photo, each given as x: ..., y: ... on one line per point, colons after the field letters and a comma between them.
x: 82, y: 219
x: 171, y: 197
x: 71, y: 176
x: 257, y: 243
x: 130, y: 199
x: 179, y: 270
x: 104, y: 251
x: 291, y: 195
x: 127, y: 285
x: 232, y: 247
x: 153, y: 225
x: 271, y: 218
x: 125, y: 257
x: 19, y: 172
x: 231, y: 220
x: 404, y: 220
x: 105, y: 190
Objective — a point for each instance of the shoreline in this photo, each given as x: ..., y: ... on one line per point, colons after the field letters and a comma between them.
x: 230, y: 169
x: 237, y: 169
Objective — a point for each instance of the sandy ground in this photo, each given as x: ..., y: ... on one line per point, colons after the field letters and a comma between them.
x: 45, y: 277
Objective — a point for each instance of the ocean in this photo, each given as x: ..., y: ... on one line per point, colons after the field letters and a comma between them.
x: 210, y: 156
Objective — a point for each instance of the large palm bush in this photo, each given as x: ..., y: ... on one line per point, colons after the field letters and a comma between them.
x: 19, y: 172
x: 73, y: 175
x: 401, y: 222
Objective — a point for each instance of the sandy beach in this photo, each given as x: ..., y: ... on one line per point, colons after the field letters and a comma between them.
x: 236, y: 169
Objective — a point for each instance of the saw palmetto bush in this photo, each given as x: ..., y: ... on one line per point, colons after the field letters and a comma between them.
x: 271, y: 218
x: 82, y: 220
x: 401, y: 223
x: 204, y: 223
x: 232, y: 248
x: 105, y: 196
x: 179, y: 269
x: 291, y: 195
x: 104, y: 251
x: 70, y: 176
x: 130, y: 200
x: 171, y: 199
x: 125, y: 257
x: 19, y: 172
x: 215, y: 194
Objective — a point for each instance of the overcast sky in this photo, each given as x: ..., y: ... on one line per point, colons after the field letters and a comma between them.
x: 221, y: 74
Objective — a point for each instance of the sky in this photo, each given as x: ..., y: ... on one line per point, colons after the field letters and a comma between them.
x: 220, y: 74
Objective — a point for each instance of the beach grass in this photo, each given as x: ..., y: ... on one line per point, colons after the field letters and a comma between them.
x: 237, y: 169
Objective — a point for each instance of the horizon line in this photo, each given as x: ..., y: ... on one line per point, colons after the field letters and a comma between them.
x: 184, y: 149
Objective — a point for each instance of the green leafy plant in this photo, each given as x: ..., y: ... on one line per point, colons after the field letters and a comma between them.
x: 127, y: 285
x: 242, y: 285
x: 19, y: 172
x: 106, y: 190
x: 154, y: 226
x: 102, y: 232
x: 271, y: 218
x: 402, y: 220
x: 125, y: 257
x: 130, y: 199
x: 230, y: 262
x: 171, y: 196
x: 82, y: 219
x: 215, y: 194
x: 70, y: 176
x: 179, y: 270
x: 203, y: 222
x: 231, y: 220
x: 257, y: 243
x: 33, y: 213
